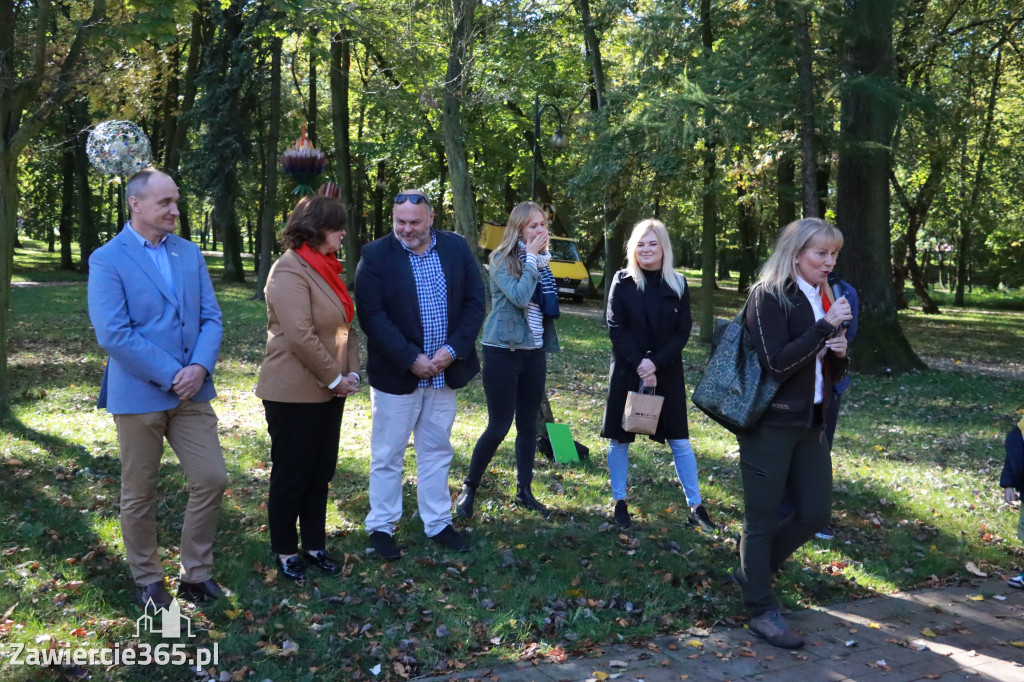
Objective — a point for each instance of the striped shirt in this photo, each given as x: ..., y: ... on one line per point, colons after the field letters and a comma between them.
x: 534, y: 317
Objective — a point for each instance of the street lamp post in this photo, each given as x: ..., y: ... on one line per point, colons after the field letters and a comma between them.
x: 559, y: 140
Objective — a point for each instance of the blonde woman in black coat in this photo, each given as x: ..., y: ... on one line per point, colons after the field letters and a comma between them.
x: 649, y: 323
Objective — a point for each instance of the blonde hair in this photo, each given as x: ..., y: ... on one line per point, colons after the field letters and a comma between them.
x: 508, y: 248
x: 668, y: 273
x: 795, y: 237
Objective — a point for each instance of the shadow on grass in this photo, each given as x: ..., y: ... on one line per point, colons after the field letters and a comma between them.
x: 51, y: 538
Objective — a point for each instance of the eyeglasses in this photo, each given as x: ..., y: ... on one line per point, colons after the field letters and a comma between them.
x: 412, y: 199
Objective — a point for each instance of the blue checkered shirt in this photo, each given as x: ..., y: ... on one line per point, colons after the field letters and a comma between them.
x: 432, y: 294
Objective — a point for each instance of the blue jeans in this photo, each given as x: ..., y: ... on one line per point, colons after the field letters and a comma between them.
x: 682, y: 454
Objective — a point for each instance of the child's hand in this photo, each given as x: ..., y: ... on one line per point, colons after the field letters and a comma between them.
x: 1009, y: 495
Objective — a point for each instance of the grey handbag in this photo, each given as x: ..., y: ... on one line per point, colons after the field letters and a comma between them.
x: 735, y: 390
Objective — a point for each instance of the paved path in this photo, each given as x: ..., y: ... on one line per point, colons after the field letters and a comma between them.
x: 971, y: 632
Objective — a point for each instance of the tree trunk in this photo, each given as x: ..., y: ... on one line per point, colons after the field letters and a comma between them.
x: 867, y: 121
x: 824, y: 175
x: 785, y: 177
x: 455, y: 87
x: 917, y: 215
x: 168, y: 108
x: 24, y: 109
x: 805, y: 80
x: 226, y: 71
x: 266, y: 229
x: 67, y: 196
x: 311, y: 127
x: 709, y: 207
x: 614, y: 230
x: 9, y: 222
x: 747, y: 229
x: 593, y: 44
x: 198, y: 38
x: 969, y: 212
x: 88, y: 236
x: 614, y: 243
x: 378, y: 199
x: 341, y: 64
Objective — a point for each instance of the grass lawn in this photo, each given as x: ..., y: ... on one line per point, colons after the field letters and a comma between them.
x: 917, y: 460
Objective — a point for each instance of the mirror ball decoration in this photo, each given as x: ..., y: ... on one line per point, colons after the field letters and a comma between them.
x: 118, y: 148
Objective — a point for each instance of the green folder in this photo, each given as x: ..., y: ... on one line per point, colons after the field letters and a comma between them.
x: 562, y: 443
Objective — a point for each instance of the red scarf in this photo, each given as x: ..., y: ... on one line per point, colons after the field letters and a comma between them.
x: 826, y: 300
x: 329, y: 267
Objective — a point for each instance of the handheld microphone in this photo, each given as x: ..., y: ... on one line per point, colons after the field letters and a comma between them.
x: 833, y: 281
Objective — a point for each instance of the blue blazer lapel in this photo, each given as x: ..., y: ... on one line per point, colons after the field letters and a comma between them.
x: 404, y: 280
x: 134, y: 250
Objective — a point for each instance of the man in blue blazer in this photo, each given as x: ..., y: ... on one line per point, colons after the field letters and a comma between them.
x: 154, y: 311
x: 420, y: 302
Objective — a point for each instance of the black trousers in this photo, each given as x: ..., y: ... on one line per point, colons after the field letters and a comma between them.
x: 514, y: 386
x: 304, y: 451
x: 772, y: 462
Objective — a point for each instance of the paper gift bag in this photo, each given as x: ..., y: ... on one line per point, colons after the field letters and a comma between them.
x: 642, y: 412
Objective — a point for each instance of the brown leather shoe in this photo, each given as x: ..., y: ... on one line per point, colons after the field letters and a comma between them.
x: 154, y: 592
x: 199, y: 592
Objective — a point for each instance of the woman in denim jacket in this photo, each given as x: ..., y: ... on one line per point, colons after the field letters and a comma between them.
x: 518, y: 333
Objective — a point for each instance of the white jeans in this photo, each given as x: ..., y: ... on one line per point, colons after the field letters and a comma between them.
x: 427, y: 414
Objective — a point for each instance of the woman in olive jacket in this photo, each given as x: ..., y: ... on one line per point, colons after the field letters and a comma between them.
x: 796, y: 329
x: 649, y: 323
x: 311, y: 365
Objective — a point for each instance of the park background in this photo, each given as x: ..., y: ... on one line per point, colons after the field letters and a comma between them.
x: 899, y: 121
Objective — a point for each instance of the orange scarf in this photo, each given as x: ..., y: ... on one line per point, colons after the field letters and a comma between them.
x: 329, y: 267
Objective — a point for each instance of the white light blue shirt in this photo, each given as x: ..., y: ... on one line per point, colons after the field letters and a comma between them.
x: 814, y: 295
x: 158, y: 254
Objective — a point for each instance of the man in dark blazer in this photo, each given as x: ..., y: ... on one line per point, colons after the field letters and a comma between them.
x: 420, y: 302
x: 154, y: 311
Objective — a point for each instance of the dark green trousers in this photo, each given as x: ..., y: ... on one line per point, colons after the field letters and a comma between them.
x: 772, y: 461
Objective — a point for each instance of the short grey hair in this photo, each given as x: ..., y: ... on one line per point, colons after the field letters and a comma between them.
x: 137, y: 183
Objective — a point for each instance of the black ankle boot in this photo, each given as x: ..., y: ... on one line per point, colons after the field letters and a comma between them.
x: 524, y: 497
x: 464, y: 502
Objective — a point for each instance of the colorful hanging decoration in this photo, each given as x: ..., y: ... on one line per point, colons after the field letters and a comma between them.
x: 118, y: 148
x: 303, y: 162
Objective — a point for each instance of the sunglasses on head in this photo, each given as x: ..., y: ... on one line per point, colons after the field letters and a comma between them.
x: 412, y: 199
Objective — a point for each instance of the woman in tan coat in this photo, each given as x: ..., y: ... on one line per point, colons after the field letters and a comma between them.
x: 311, y: 366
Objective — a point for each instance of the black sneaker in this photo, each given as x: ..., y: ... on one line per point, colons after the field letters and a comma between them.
x: 622, y: 519
x: 699, y: 519
x: 385, y: 545
x: 451, y: 539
